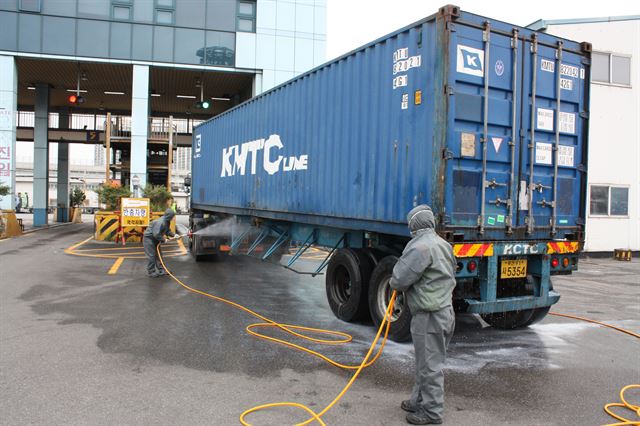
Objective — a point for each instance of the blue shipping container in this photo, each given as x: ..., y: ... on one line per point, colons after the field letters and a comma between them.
x: 483, y: 120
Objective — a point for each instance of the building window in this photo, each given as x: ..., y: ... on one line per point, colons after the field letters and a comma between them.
x: 30, y: 6
x: 121, y: 12
x: 611, y: 68
x: 246, y: 16
x: 609, y: 200
x: 165, y: 11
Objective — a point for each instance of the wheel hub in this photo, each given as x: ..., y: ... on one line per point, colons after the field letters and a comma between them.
x: 384, y: 295
x: 342, y: 288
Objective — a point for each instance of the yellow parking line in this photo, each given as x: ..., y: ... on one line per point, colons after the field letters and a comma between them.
x: 116, y: 266
x: 75, y: 246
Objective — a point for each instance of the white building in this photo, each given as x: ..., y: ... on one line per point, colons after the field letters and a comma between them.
x: 613, y: 203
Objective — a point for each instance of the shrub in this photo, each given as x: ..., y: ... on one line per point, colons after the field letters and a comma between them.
x: 77, y: 197
x: 109, y: 193
x: 158, y: 196
x: 4, y: 190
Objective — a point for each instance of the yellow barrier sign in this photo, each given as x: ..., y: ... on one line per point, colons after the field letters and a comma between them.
x: 135, y: 212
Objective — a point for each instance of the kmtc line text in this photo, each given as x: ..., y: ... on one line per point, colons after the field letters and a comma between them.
x: 234, y: 158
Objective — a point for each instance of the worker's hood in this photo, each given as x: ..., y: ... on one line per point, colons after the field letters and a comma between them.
x: 420, y: 217
x: 169, y: 214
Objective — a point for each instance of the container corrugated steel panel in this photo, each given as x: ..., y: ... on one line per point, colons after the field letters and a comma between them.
x: 359, y: 141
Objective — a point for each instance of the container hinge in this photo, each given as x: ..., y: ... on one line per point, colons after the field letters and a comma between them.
x: 534, y: 44
x: 585, y: 61
x: 446, y: 154
x: 448, y: 89
x: 499, y: 201
x: 579, y: 221
x: 581, y: 168
x: 584, y: 114
x: 451, y: 27
x: 493, y: 184
x: 545, y: 203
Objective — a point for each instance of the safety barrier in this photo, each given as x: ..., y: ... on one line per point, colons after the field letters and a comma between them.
x: 107, y: 225
x: 9, y: 226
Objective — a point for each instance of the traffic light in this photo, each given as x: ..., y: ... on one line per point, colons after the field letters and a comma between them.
x: 203, y: 105
x: 76, y: 99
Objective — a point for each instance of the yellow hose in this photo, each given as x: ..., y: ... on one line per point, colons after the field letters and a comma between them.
x: 345, y: 338
x: 622, y: 330
x: 624, y: 403
x: 288, y: 328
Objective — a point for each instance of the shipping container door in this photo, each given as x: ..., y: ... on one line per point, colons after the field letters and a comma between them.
x: 554, y: 127
x: 482, y: 153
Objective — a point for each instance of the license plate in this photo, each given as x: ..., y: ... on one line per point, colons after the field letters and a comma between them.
x: 513, y: 268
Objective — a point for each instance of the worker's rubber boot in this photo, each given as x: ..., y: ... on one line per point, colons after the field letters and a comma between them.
x: 408, y: 406
x: 421, y: 418
x: 160, y: 272
x: 153, y: 275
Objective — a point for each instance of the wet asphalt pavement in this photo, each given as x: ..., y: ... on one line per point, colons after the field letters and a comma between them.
x: 79, y: 346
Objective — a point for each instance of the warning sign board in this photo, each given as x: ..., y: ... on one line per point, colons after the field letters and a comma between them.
x: 135, y: 212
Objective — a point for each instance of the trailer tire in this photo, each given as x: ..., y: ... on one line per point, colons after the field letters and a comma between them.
x: 374, y: 254
x: 379, y: 295
x: 347, y: 282
x: 517, y: 319
x: 194, y: 246
x: 508, y: 320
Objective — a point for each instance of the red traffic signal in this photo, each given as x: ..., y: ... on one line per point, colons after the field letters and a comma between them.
x: 75, y: 99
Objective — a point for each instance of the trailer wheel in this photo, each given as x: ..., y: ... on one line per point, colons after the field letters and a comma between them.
x: 374, y: 254
x: 347, y: 282
x: 509, y: 320
x: 379, y: 295
x: 194, y: 246
x: 517, y: 319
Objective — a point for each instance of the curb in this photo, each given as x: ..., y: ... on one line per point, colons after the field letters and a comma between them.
x: 42, y: 228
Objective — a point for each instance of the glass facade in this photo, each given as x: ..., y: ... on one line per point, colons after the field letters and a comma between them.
x: 191, y: 32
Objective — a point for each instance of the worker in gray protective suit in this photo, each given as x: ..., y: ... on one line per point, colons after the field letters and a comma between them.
x: 426, y: 274
x: 156, y: 233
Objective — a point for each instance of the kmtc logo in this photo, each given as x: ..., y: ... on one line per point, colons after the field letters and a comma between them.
x: 470, y: 61
x: 234, y: 158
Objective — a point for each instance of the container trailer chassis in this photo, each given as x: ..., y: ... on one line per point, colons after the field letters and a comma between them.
x: 508, y: 283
